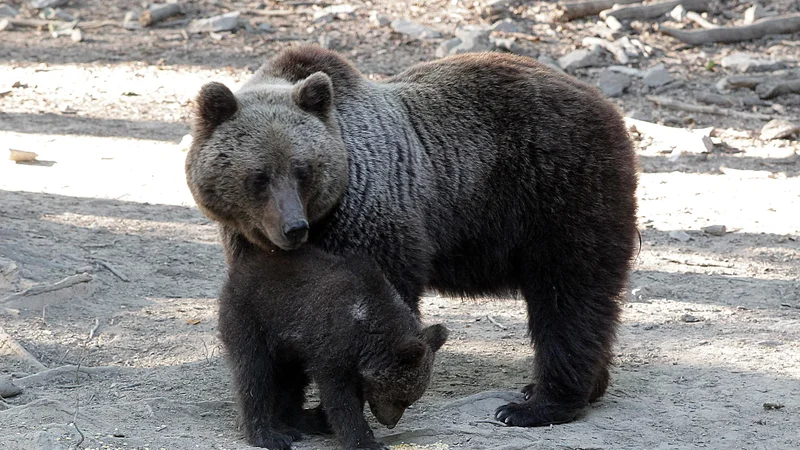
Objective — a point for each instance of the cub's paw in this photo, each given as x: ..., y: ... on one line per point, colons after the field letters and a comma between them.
x: 531, y: 414
x: 270, y: 440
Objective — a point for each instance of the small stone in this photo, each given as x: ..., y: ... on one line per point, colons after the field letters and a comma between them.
x: 224, y: 22
x: 185, y: 143
x: 770, y: 343
x: 778, y: 129
x: 774, y: 406
x: 445, y: 47
x: 6, y: 25
x: 613, y: 84
x: 688, y: 318
x: 680, y: 235
x: 325, y: 41
x: 754, y: 13
x: 715, y: 230
x: 338, y: 11
x: 578, y: 59
x: 613, y: 23
x: 7, y: 11
x: 474, y: 38
x: 414, y: 30
x: 657, y: 76
x: 713, y: 99
x: 265, y: 27
x: 678, y: 13
x: 84, y: 269
x: 131, y: 21
x: 76, y: 35
x: 378, y: 20
x: 496, y: 8
x: 506, y: 44
x: 41, y: 4
x: 55, y: 14
x: 8, y: 389
x: 745, y: 63
x: 550, y: 62
x: 506, y: 26
x: 322, y: 19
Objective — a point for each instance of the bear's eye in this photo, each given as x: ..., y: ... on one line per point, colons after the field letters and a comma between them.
x: 302, y: 173
x: 259, y: 182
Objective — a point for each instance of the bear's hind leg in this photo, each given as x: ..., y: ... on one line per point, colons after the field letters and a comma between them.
x: 572, y: 329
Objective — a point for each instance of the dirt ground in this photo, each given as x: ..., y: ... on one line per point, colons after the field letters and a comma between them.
x: 708, y: 353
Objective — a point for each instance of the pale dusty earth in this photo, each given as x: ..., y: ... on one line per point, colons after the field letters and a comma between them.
x: 708, y: 353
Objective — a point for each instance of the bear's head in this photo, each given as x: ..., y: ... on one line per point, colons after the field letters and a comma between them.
x: 269, y: 160
x: 392, y: 384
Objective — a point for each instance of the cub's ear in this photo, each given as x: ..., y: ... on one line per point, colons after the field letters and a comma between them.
x: 214, y: 105
x: 314, y: 94
x: 411, y: 351
x: 435, y: 336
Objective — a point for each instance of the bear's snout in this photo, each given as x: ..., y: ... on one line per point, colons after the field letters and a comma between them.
x: 296, y: 231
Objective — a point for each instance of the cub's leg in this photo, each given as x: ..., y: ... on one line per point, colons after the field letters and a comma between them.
x: 254, y: 375
x: 344, y: 407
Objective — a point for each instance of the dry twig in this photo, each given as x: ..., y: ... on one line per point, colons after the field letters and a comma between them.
x: 497, y: 324
x: 759, y: 29
x: 671, y: 103
x: 43, y: 288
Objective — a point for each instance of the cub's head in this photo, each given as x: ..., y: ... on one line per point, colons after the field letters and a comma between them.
x: 269, y: 160
x: 404, y: 376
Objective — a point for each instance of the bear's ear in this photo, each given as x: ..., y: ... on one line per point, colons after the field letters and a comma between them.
x: 435, y: 336
x: 214, y: 105
x: 411, y: 351
x: 314, y: 94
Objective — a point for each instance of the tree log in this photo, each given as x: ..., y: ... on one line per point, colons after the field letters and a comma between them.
x: 759, y: 29
x: 654, y: 10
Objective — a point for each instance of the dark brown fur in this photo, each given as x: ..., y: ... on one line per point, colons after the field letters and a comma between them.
x: 481, y: 174
x: 288, y: 317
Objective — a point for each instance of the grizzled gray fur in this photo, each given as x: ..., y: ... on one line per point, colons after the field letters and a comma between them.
x: 479, y: 174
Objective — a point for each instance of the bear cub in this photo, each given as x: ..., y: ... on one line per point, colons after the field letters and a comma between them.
x: 289, y: 317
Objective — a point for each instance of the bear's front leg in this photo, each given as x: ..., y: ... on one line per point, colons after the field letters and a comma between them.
x: 254, y: 380
x: 344, y: 407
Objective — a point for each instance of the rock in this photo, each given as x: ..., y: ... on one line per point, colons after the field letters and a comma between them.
x: 265, y: 27
x: 713, y: 99
x: 5, y: 25
x: 76, y: 35
x: 613, y: 84
x: 778, y: 129
x: 688, y: 318
x: 414, y: 30
x: 507, y: 45
x: 474, y: 38
x: 9, y: 273
x: 627, y: 71
x: 224, y: 22
x: 715, y: 230
x: 581, y: 58
x: 744, y: 63
x: 754, y: 13
x: 680, y: 235
x: 7, y: 11
x: 496, y: 8
x: 321, y: 19
x: 41, y: 4
x: 657, y: 76
x: 770, y: 343
x: 548, y: 61
x: 341, y: 12
x: 613, y: 24
x: 678, y: 13
x: 507, y: 26
x: 325, y: 41
x: 131, y: 21
x: 378, y: 20
x: 770, y: 405
x: 8, y: 388
x: 445, y: 47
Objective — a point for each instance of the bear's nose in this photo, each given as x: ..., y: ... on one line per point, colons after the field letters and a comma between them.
x: 296, y: 231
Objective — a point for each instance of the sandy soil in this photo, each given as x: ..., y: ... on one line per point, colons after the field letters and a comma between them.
x: 709, y: 348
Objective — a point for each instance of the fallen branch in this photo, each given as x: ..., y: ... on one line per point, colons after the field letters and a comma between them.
x: 759, y: 29
x: 37, y: 23
x: 158, y: 13
x: 114, y: 271
x: 497, y: 324
x: 691, y: 141
x: 670, y: 103
x: 9, y: 343
x: 94, y: 329
x: 771, y: 90
x: 576, y: 10
x: 698, y: 19
x: 71, y: 280
x: 46, y: 376
x: 653, y: 10
x: 278, y: 12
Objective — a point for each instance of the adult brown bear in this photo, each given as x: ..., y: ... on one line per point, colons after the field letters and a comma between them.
x: 480, y: 174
